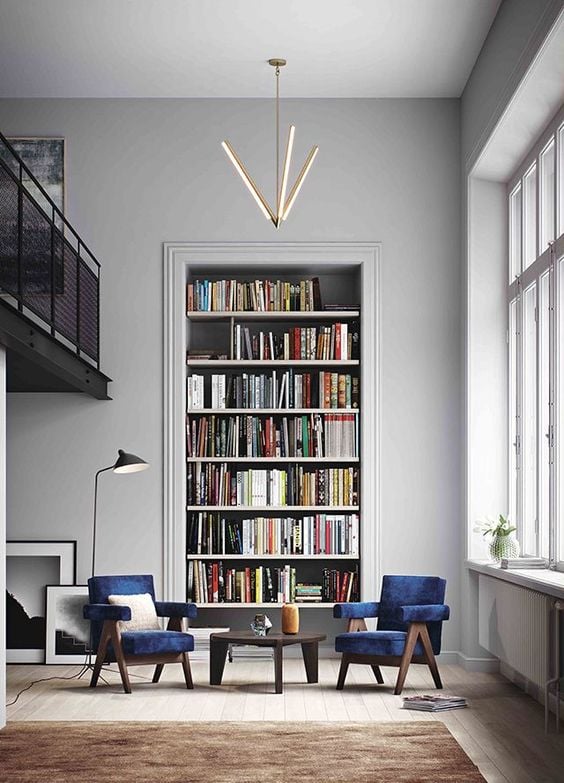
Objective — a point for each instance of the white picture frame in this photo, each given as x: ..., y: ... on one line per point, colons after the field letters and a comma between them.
x: 30, y: 566
x: 66, y: 629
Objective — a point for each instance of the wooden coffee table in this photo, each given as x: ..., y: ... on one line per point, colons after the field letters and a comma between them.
x: 219, y: 643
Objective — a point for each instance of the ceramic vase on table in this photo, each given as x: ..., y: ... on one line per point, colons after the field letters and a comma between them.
x: 290, y: 618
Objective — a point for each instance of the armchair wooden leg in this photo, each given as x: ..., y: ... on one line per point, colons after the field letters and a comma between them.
x: 158, y: 671
x: 430, y: 656
x: 410, y: 642
x: 343, y: 671
x: 101, y: 654
x: 118, y: 650
x: 377, y: 674
x: 187, y: 671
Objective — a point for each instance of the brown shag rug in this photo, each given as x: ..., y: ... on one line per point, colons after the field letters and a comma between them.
x: 44, y: 752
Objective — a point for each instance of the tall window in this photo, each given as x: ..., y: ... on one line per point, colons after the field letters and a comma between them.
x: 535, y: 297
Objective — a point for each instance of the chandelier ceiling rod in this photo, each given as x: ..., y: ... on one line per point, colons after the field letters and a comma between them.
x: 283, y: 204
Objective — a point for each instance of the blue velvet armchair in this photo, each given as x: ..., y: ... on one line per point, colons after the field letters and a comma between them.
x: 129, y: 648
x: 410, y: 616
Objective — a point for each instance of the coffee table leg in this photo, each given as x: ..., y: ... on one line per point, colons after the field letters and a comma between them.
x: 278, y: 668
x: 310, y: 651
x: 218, y: 652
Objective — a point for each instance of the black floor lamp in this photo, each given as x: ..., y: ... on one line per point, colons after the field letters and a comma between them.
x: 125, y: 463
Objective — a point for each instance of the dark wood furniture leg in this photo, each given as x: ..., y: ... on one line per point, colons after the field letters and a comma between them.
x: 430, y: 656
x: 278, y: 650
x: 101, y: 654
x: 377, y: 674
x: 118, y: 651
x: 410, y: 642
x: 310, y: 652
x: 343, y: 671
x: 158, y: 671
x: 218, y: 652
x: 187, y: 671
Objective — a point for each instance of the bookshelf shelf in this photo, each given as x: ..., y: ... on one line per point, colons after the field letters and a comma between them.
x: 273, y: 557
x: 272, y: 363
x: 267, y: 411
x: 326, y: 509
x: 278, y: 460
x: 274, y: 315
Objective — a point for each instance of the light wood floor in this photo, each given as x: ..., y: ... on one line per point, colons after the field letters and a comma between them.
x: 502, y: 730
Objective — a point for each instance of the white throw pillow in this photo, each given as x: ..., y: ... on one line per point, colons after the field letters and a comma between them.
x: 143, y: 612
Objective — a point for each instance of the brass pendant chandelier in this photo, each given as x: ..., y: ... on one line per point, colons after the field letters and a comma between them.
x: 283, y: 205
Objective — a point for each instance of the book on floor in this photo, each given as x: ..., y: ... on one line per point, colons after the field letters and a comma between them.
x: 435, y: 703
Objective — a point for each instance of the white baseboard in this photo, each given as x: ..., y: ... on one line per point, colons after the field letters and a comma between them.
x: 486, y: 665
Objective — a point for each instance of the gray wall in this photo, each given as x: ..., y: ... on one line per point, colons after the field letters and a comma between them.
x: 145, y: 171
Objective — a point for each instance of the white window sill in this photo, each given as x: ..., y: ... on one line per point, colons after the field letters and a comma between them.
x: 543, y: 580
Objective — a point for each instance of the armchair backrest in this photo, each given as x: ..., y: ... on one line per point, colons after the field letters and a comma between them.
x: 100, y: 587
x: 410, y: 591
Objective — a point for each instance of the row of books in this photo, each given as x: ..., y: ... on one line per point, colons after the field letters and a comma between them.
x: 280, y: 390
x: 214, y: 582
x: 209, y: 533
x: 254, y: 295
x: 212, y: 484
x: 310, y: 343
x: 309, y: 435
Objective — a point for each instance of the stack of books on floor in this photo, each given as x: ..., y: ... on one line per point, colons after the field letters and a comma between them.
x: 433, y: 703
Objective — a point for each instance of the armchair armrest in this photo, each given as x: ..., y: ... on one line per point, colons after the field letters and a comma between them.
x: 101, y: 612
x: 427, y: 613
x: 356, y: 611
x: 176, y: 609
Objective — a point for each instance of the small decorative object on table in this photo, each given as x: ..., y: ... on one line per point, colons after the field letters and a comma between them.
x: 502, y: 544
x: 261, y: 625
x: 290, y: 618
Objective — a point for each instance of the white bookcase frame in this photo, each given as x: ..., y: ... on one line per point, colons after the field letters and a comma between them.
x: 317, y: 258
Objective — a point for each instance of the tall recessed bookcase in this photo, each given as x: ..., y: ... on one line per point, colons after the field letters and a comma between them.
x: 228, y: 446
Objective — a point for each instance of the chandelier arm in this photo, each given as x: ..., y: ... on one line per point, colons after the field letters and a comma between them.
x: 285, y: 173
x: 249, y: 182
x: 299, y: 182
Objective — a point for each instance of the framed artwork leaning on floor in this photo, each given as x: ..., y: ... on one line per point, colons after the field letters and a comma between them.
x: 30, y: 567
x: 67, y: 633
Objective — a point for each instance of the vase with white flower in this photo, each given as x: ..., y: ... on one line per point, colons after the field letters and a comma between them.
x: 502, y: 543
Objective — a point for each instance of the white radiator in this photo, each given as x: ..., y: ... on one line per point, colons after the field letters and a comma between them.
x: 514, y: 626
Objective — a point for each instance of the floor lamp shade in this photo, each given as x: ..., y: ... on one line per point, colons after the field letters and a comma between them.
x: 129, y: 463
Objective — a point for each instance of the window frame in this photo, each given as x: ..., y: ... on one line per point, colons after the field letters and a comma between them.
x: 549, y: 261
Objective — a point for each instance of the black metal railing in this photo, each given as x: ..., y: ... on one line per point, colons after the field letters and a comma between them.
x: 46, y: 270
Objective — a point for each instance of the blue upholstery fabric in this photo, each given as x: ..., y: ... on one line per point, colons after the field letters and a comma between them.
x: 176, y: 609
x: 156, y: 642
x: 374, y: 643
x: 410, y: 591
x: 423, y: 614
x: 356, y: 610
x: 100, y: 587
x: 101, y: 612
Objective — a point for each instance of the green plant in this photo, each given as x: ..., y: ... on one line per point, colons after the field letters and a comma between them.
x: 501, y: 528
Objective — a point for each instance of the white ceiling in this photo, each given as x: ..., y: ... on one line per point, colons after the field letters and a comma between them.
x: 219, y: 48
